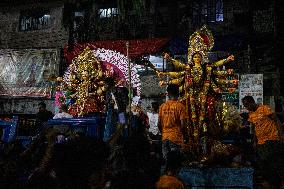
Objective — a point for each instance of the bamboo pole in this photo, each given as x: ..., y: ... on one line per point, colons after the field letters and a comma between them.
x: 129, y: 87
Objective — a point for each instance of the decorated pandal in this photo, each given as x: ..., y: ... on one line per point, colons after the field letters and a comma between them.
x: 82, y: 89
x: 201, y: 84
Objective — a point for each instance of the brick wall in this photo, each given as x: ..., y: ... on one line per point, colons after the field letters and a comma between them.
x: 10, y: 37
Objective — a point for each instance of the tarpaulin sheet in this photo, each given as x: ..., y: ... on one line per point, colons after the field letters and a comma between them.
x: 26, y: 72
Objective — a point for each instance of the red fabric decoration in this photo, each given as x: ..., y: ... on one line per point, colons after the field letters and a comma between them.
x: 136, y: 47
x: 205, y: 39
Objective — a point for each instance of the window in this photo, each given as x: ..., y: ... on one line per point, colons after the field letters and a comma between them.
x: 79, y: 20
x: 79, y: 26
x: 79, y: 14
x: 107, y: 13
x: 212, y: 10
x: 34, y: 20
x: 208, y: 11
x: 219, y: 11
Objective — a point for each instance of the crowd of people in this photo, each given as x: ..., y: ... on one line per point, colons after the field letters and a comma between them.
x: 148, y: 152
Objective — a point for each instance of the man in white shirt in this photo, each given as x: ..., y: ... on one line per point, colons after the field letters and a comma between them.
x: 153, y: 116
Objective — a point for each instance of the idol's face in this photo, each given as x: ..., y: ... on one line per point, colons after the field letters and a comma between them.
x: 85, y: 75
x: 197, y: 58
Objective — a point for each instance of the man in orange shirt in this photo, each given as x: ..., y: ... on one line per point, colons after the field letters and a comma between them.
x: 268, y: 141
x: 172, y: 122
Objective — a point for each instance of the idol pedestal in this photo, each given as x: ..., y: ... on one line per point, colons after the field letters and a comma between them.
x: 221, y: 177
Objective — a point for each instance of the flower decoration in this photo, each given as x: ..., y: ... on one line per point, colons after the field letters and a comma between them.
x: 231, y: 118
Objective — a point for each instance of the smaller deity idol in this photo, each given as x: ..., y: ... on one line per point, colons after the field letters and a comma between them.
x: 84, y: 84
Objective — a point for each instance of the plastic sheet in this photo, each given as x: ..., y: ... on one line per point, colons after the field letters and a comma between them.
x: 26, y: 72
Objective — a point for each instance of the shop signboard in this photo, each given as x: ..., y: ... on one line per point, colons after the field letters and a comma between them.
x: 251, y: 85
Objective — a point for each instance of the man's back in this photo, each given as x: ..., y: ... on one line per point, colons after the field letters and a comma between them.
x: 265, y: 127
x: 170, y: 115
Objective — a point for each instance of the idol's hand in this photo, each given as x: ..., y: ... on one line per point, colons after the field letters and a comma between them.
x: 162, y: 83
x: 167, y: 56
x: 160, y: 74
x: 230, y: 58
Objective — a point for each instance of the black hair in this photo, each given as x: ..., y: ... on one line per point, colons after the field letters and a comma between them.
x: 174, y: 160
x: 244, y: 115
x: 248, y: 99
x: 173, y: 90
x: 195, y: 54
x: 42, y: 104
x: 110, y: 81
x: 155, y: 106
